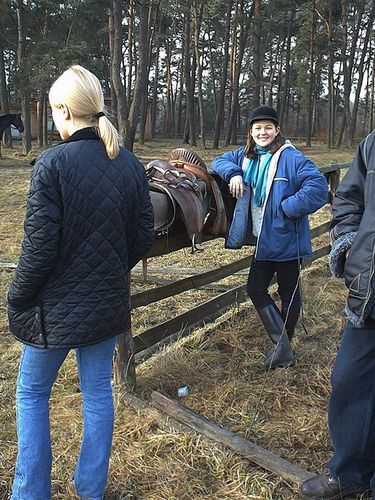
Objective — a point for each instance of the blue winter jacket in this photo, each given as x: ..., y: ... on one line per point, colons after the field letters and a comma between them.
x: 295, y: 188
x: 89, y: 220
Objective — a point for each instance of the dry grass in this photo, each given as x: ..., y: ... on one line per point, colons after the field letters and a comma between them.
x: 222, y: 364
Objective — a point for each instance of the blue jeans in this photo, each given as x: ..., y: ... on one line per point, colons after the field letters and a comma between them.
x: 351, y: 413
x: 37, y: 374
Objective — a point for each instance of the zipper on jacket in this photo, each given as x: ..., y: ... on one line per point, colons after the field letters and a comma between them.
x: 370, y: 291
x: 38, y: 318
x: 268, y: 194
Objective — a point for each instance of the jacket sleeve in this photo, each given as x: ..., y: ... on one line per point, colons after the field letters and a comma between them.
x: 312, y: 190
x: 348, y: 202
x: 229, y: 164
x: 41, y: 239
x: 143, y: 236
x: 347, y: 212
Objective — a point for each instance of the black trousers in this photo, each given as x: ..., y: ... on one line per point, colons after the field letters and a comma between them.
x: 287, y: 274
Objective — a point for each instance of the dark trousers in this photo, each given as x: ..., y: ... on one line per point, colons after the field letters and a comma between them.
x: 351, y: 412
x: 287, y: 274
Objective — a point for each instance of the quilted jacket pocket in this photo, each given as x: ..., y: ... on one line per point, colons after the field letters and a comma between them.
x: 26, y: 324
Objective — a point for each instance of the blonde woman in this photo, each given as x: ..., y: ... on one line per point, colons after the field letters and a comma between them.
x: 89, y: 220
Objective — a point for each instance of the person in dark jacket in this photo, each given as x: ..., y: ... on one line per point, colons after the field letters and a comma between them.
x: 276, y: 187
x: 351, y: 411
x: 89, y: 220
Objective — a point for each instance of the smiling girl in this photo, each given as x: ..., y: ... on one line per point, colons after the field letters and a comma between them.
x: 276, y: 187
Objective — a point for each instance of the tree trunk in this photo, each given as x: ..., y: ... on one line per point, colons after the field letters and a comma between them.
x: 232, y: 60
x: 348, y: 62
x: 199, y: 57
x: 154, y: 104
x: 244, y: 29
x: 180, y: 95
x: 115, y: 27
x: 142, y: 75
x: 372, y: 99
x: 169, y: 110
x: 129, y: 85
x: 286, y: 89
x: 361, y: 74
x: 310, y: 98
x: 279, y: 63
x: 212, y: 66
x: 190, y: 133
x: 45, y: 121
x: 273, y: 57
x: 331, y: 88
x: 144, y: 101
x: 4, y: 100
x: 257, y: 42
x: 224, y: 73
x: 111, y: 41
x: 25, y: 91
x: 40, y: 116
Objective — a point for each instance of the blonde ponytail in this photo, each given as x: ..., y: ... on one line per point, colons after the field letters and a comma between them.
x: 109, y: 135
x: 81, y: 92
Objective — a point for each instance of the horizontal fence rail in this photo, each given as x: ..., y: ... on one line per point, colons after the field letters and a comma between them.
x: 146, y: 341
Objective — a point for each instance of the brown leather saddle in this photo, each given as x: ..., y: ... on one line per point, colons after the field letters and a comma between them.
x: 191, y: 162
x: 182, y: 187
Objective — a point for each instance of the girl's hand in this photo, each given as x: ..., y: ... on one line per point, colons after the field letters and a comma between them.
x: 236, y: 186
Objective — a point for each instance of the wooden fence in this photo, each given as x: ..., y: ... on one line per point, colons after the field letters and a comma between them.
x: 149, y: 341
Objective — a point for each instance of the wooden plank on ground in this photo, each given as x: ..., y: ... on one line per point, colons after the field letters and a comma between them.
x: 256, y: 454
x: 141, y: 406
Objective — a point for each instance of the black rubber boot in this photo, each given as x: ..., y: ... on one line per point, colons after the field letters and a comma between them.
x: 290, y: 326
x: 291, y: 318
x: 281, y: 355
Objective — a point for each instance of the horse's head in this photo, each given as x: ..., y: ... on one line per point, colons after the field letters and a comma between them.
x: 18, y: 123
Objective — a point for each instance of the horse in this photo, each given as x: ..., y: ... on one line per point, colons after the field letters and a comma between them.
x: 13, y: 119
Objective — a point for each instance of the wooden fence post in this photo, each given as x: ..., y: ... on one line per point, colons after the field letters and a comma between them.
x: 124, y: 362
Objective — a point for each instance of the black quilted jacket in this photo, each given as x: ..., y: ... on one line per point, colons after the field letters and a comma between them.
x: 89, y: 220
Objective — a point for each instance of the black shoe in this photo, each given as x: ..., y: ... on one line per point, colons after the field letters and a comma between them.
x: 325, y: 488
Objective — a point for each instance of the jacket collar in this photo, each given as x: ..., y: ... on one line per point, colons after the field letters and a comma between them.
x: 83, y: 134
